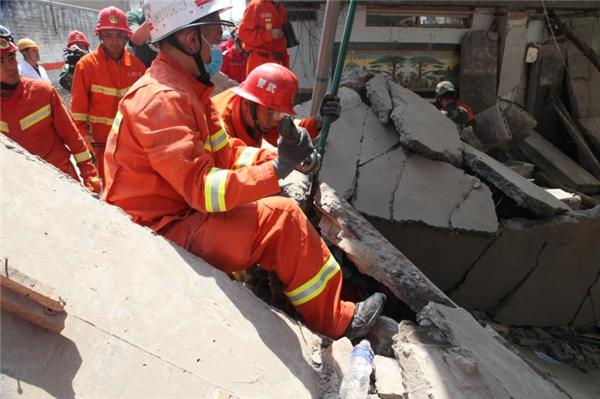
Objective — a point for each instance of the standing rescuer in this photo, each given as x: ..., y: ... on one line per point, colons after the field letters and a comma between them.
x: 261, y: 32
x: 447, y: 101
x: 30, y: 67
x: 101, y: 78
x: 253, y: 110
x: 77, y: 47
x: 33, y: 115
x: 172, y: 167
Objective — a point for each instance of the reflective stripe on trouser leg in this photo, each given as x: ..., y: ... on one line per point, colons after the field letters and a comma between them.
x: 315, y: 285
x: 274, y: 233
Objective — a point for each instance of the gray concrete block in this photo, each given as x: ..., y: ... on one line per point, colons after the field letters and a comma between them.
x: 449, y: 355
x: 524, y: 169
x: 557, y: 165
x: 344, y: 144
x: 388, y: 378
x: 513, y: 46
x: 433, y: 193
x: 587, y: 315
x: 422, y: 127
x: 584, y: 83
x: 337, y: 356
x: 513, y: 185
x: 379, y: 96
x: 492, y: 127
x: 381, y: 336
x: 377, y: 139
x: 563, y: 272
x: 478, y: 69
x: 377, y: 182
x: 519, y: 121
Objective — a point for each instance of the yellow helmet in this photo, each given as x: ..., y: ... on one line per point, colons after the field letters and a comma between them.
x: 24, y: 44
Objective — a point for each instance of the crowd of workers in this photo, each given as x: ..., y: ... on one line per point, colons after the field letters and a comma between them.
x: 147, y: 135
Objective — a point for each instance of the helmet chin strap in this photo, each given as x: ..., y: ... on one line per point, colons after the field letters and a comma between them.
x: 204, y: 77
x: 256, y: 133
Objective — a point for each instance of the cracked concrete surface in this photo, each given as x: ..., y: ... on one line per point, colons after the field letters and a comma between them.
x: 379, y: 96
x: 522, y: 191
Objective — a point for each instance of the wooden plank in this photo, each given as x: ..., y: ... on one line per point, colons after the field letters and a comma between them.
x: 19, y: 305
x: 588, y: 157
x: 372, y: 254
x: 30, y: 288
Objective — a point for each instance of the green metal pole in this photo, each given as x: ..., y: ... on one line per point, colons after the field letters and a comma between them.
x: 337, y: 75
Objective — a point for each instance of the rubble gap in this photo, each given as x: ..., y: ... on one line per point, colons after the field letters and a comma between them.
x: 422, y: 127
x: 513, y: 185
x: 379, y: 96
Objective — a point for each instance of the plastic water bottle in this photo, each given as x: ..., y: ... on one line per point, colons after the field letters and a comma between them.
x: 357, y: 380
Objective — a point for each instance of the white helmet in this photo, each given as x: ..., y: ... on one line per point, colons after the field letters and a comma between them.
x: 167, y: 17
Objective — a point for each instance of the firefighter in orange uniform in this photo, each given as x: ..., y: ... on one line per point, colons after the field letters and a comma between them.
x: 101, y: 79
x: 252, y: 111
x: 172, y: 167
x: 261, y: 32
x: 33, y: 115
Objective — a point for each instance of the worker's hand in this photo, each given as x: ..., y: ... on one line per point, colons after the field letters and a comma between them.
x: 94, y: 184
x: 330, y: 106
x: 290, y: 154
x: 276, y: 33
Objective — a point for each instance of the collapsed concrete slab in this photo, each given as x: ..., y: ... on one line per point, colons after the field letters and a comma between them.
x: 556, y: 164
x: 583, y: 83
x: 478, y: 69
x: 513, y: 46
x: 422, y: 128
x: 142, y: 310
x: 514, y: 186
x: 448, y: 355
x: 410, y: 188
x: 344, y: 142
x: 377, y: 139
x: 541, y: 271
x: 591, y: 130
x: 492, y: 128
x: 379, y: 96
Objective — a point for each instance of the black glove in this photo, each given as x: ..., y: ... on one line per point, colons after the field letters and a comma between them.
x: 291, y: 154
x: 330, y: 106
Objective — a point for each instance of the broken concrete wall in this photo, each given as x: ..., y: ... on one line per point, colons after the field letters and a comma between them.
x: 583, y: 83
x: 141, y: 310
x: 512, y: 29
x: 479, y: 69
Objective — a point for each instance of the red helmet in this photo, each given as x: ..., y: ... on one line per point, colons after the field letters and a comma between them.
x: 271, y: 85
x: 111, y: 18
x: 7, y: 43
x: 76, y: 37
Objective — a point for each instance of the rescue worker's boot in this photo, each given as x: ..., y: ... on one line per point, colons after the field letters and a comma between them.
x: 365, y: 317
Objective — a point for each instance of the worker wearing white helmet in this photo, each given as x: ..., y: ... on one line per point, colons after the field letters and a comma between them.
x: 173, y: 168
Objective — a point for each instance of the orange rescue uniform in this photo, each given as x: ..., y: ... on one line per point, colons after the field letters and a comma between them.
x: 35, y: 117
x: 228, y: 105
x: 172, y: 167
x: 259, y: 19
x: 99, y: 83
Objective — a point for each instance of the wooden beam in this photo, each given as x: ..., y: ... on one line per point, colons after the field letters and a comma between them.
x: 588, y: 158
x: 372, y: 254
x: 23, y: 308
x: 14, y: 280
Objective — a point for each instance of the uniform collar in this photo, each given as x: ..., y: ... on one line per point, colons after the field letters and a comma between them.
x: 125, y: 58
x: 201, y: 89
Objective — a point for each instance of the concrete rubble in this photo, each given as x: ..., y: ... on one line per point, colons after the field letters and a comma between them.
x: 479, y: 69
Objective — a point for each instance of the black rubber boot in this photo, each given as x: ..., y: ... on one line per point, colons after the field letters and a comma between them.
x: 365, y: 316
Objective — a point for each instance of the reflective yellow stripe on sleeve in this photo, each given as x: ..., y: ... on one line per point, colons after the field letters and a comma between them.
x: 35, y: 117
x: 218, y: 140
x: 3, y: 127
x: 109, y: 91
x: 116, y: 125
x: 214, y: 190
x: 100, y: 119
x: 313, y: 287
x: 246, y: 157
x: 82, y: 156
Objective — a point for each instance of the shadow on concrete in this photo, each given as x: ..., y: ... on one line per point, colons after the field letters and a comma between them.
x: 36, y: 357
x: 280, y: 339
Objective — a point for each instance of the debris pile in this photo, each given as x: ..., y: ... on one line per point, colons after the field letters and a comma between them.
x: 403, y: 165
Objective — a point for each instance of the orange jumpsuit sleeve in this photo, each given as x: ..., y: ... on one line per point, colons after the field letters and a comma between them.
x: 250, y: 32
x: 70, y: 136
x: 80, y: 101
x: 167, y: 130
